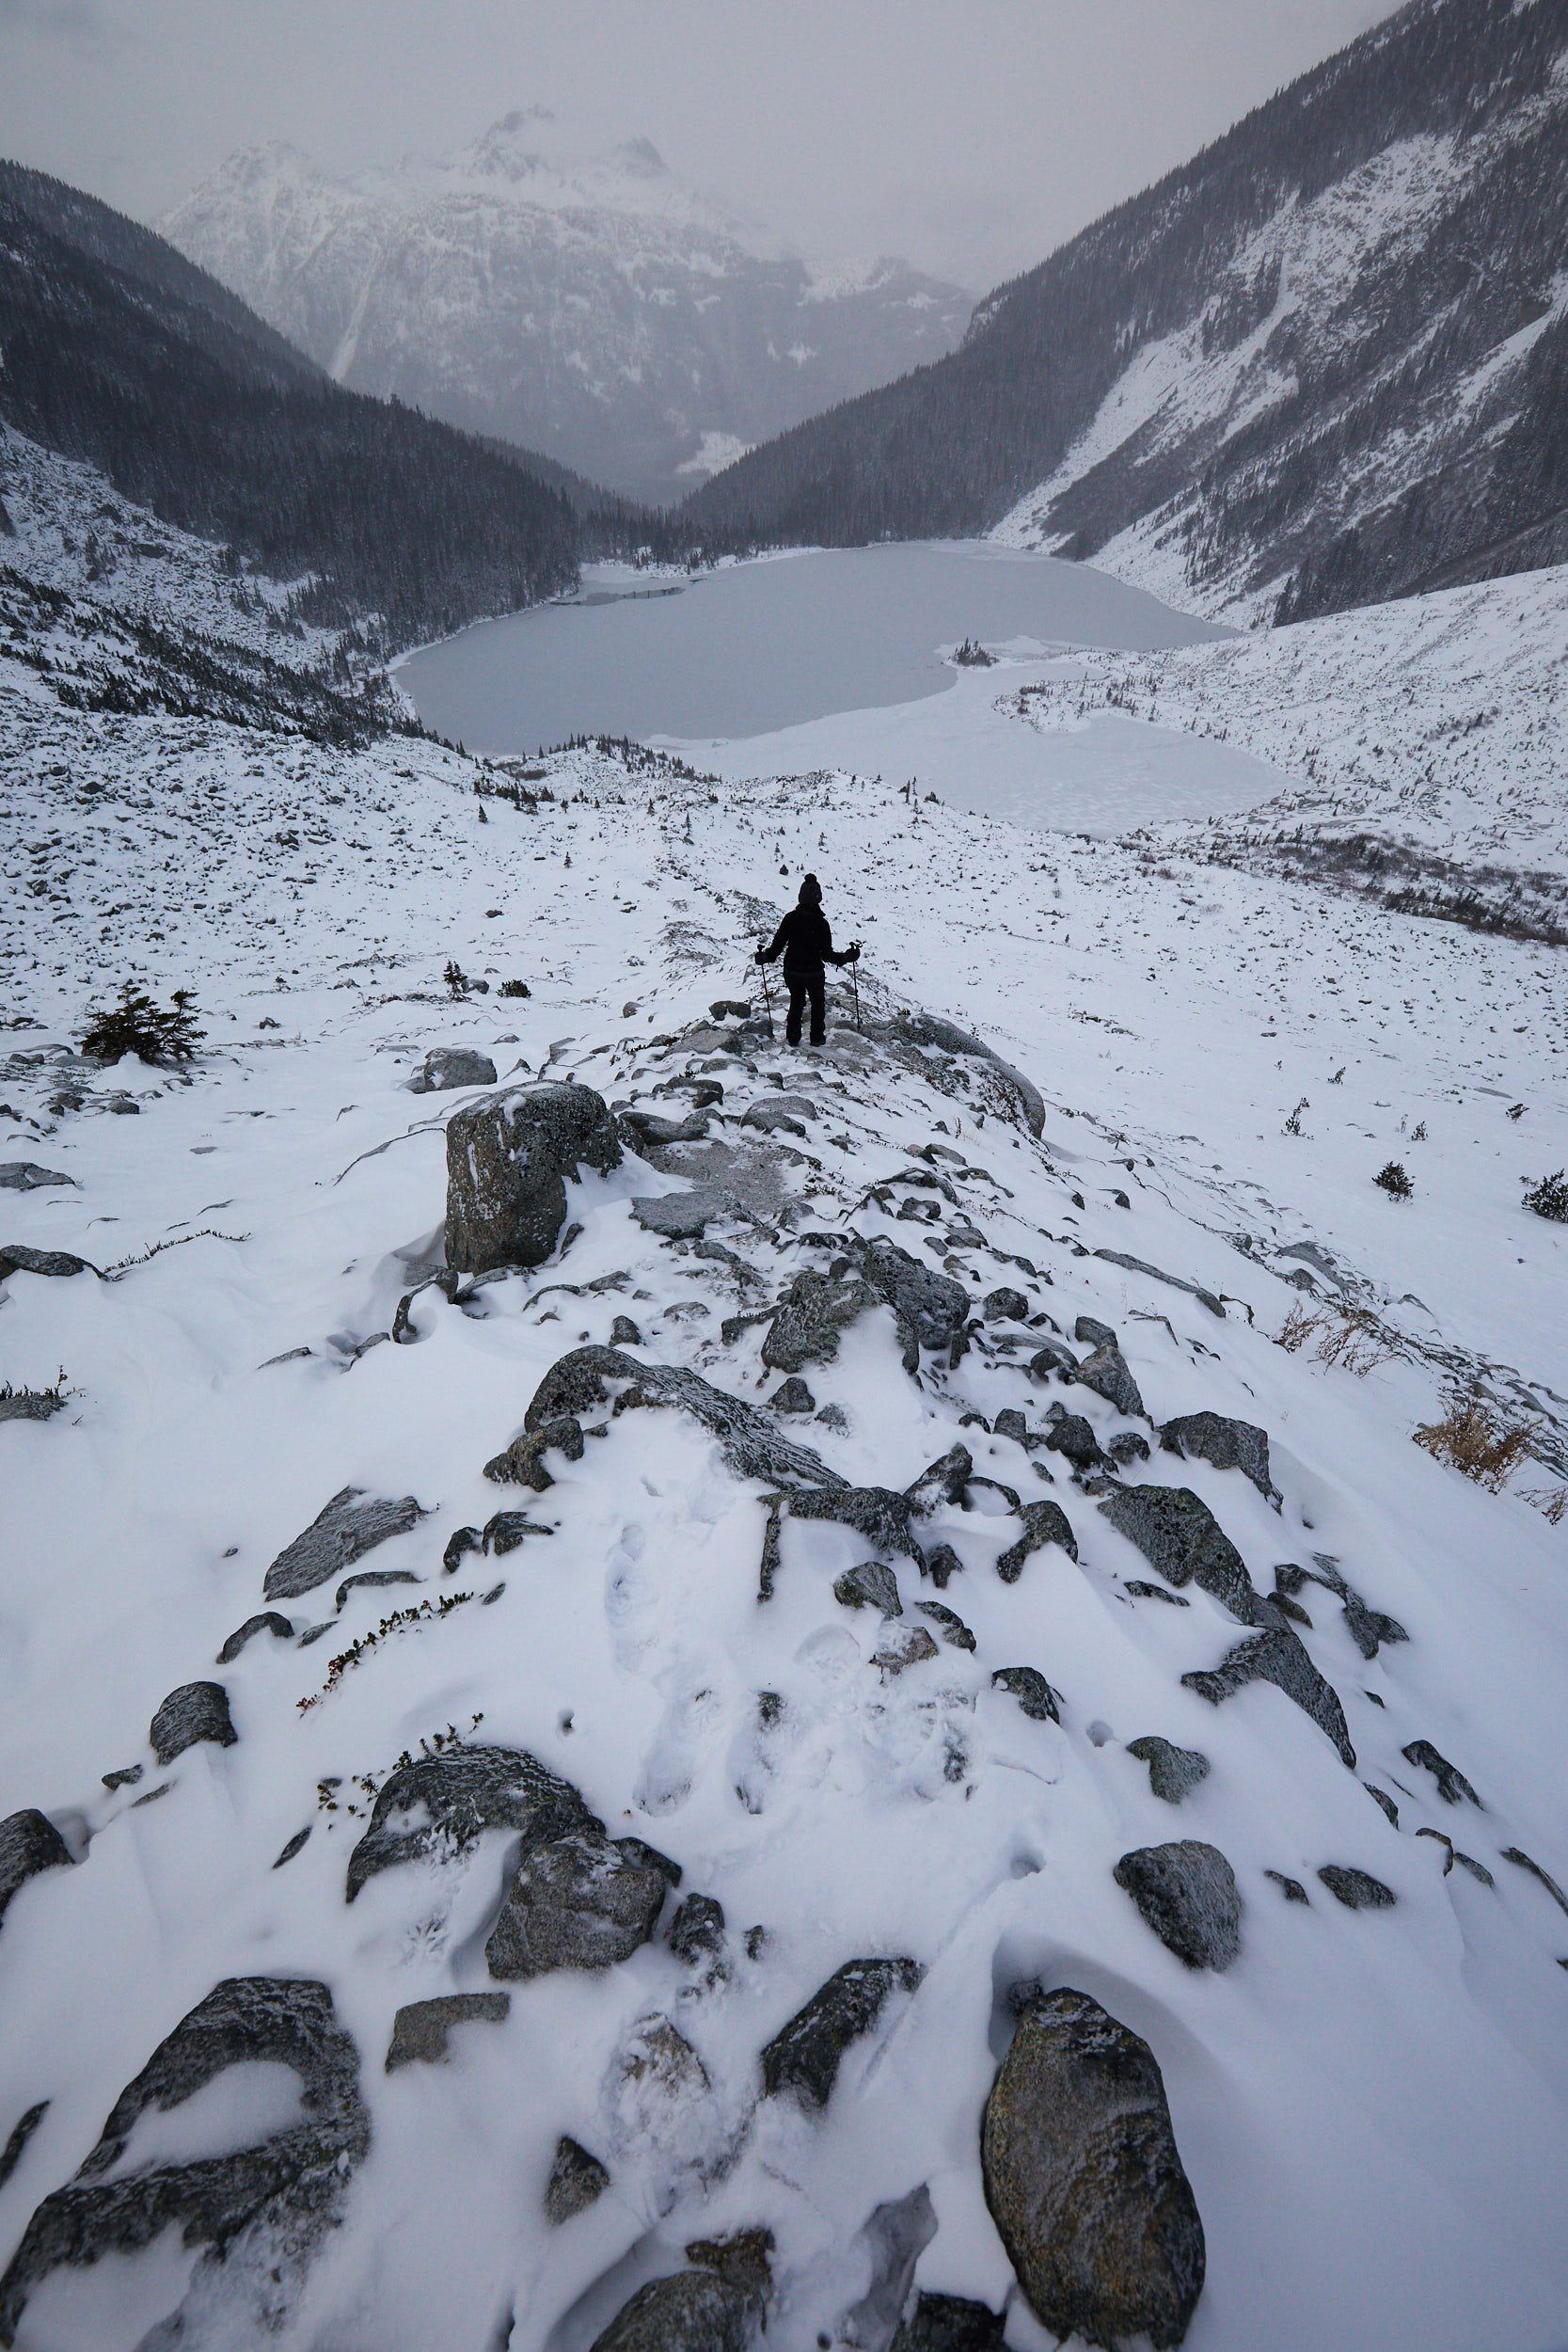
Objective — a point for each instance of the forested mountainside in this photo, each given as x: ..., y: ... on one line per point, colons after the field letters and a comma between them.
x: 1323, y: 363
x: 595, y: 306
x: 118, y: 353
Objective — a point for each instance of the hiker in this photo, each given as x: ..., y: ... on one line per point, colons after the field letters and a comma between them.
x: 807, y: 944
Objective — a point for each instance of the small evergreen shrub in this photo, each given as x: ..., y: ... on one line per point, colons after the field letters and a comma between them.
x: 971, y: 655
x: 455, y: 977
x: 1549, y: 1198
x: 137, y: 1025
x: 1395, y: 1181
x: 513, y: 988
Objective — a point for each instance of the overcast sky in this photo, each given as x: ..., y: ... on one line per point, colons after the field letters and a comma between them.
x: 970, y: 135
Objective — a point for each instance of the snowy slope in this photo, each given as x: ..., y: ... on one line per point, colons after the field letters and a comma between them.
x: 594, y: 307
x: 1372, y: 2106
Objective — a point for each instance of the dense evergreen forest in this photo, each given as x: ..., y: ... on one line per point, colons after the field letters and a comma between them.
x: 949, y: 449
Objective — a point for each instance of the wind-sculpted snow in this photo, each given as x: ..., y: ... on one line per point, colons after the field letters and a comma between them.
x: 898, y: 1663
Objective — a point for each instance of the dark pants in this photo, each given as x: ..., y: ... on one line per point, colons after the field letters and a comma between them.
x: 799, y: 984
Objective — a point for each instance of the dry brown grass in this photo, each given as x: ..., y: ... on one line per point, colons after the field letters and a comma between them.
x: 1478, y: 1442
x: 1553, y: 1500
x: 1349, y: 1336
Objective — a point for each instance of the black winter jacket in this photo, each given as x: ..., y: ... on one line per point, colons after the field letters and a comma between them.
x: 806, y: 941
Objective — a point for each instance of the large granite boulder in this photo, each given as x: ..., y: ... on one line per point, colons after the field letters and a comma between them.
x: 1084, y: 2179
x: 508, y: 1158
x: 272, y: 2202
x: 1187, y: 1894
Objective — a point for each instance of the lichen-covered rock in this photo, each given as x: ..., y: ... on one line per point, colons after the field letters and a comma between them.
x: 692, y: 2312
x: 876, y: 1512
x: 1005, y: 1306
x: 447, y: 1066
x: 1043, y: 1523
x: 420, y: 2029
x: 353, y: 1523
x: 1084, y: 2179
x: 1173, y: 1772
x: 578, y: 2180
x: 1227, y: 1445
x: 1071, y: 1435
x: 1180, y: 1536
x: 871, y: 1585
x: 1033, y: 1692
x: 521, y: 1463
x: 580, y: 1900
x: 1187, y: 1894
x: 932, y: 1308
x: 1107, y: 1373
x: 508, y: 1158
x: 1278, y: 1658
x: 803, y: 2055
x: 813, y: 1311
x: 1356, y: 1889
x: 268, y: 1621
x: 272, y: 2202
x: 443, y: 1803
x: 196, y: 1711
x: 754, y: 1445
x: 792, y: 1396
x: 950, y: 2323
x: 29, y: 1842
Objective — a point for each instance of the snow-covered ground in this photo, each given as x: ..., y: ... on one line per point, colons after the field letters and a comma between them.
x: 1372, y: 2106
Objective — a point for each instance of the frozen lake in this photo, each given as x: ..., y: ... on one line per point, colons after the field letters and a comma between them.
x: 832, y: 658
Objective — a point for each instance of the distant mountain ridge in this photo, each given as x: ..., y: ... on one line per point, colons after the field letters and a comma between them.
x: 1323, y: 363
x: 597, y: 310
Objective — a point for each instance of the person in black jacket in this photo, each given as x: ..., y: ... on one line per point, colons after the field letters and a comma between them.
x: 807, y: 944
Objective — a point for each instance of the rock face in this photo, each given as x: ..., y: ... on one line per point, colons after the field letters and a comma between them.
x: 1228, y: 1444
x: 508, y: 1158
x: 582, y: 1901
x: 1173, y: 1772
x: 447, y: 1066
x: 1278, y: 1658
x: 1084, y: 2180
x: 29, y: 1842
x: 1187, y: 1894
x: 352, y: 1524
x: 1180, y: 1537
x: 194, y: 1712
x: 446, y: 1801
x: 694, y: 2312
x: 803, y: 2055
x: 274, y: 2201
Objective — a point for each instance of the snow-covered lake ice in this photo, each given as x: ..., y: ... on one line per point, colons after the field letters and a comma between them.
x: 835, y: 658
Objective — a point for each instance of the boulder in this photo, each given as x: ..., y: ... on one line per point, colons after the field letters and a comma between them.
x: 441, y: 1804
x: 1071, y: 1435
x: 1187, y: 1894
x: 772, y: 1111
x: 447, y: 1066
x: 753, y: 1443
x: 803, y: 2055
x: 793, y: 1396
x: 505, y: 1529
x: 578, y: 1901
x: 1005, y: 1306
x: 941, y: 1482
x: 625, y: 1334
x: 692, y: 2312
x: 420, y: 2029
x: 1180, y: 1536
x: 272, y: 2202
x: 1043, y: 1523
x: 353, y: 1523
x: 268, y: 1621
x: 646, y: 1131
x: 1356, y: 1889
x: 1033, y: 1692
x: 577, y: 2180
x: 696, y: 1933
x: 375, y: 1579
x: 1054, y: 1357
x: 1084, y: 2180
x: 1227, y: 1445
x: 1278, y: 1658
x: 521, y: 1463
x: 1173, y: 1772
x: 931, y: 1308
x: 508, y: 1158
x: 29, y: 1842
x: 16, y: 1258
x: 1088, y: 1333
x: 1106, y: 1373
x: 685, y: 1215
x: 196, y: 1711
x: 26, y: 1176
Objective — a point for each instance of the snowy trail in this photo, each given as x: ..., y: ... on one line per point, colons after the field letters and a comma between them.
x: 1372, y: 2105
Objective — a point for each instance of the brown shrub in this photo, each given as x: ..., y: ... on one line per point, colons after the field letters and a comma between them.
x: 1478, y: 1442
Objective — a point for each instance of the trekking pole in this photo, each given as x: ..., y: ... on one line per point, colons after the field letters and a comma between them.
x: 767, y: 997
x: 855, y: 984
